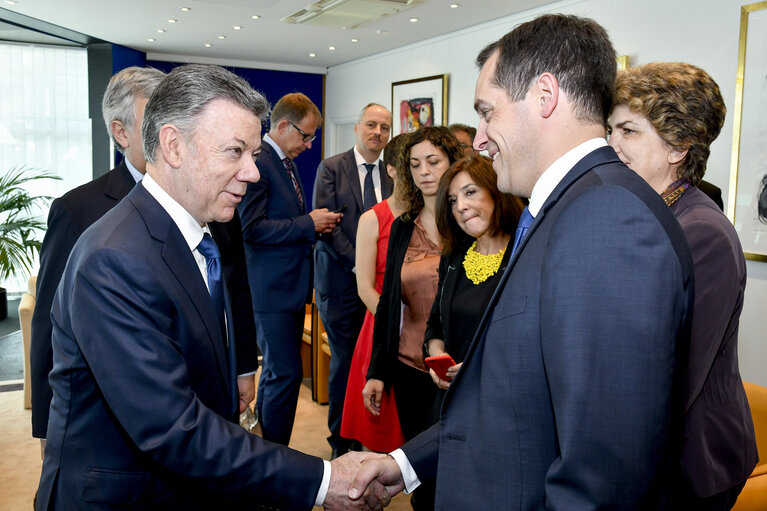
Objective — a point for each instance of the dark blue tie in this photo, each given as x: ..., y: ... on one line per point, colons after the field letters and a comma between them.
x: 524, y: 222
x: 208, y: 248
x: 368, y: 191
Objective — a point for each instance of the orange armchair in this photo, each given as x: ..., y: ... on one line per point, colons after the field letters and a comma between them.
x: 754, y: 494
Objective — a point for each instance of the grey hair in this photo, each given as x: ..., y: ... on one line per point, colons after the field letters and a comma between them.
x: 185, y: 92
x: 365, y: 108
x: 119, y: 102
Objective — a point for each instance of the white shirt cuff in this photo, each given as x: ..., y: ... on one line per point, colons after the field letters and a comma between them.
x: 408, y: 474
x: 323, y: 492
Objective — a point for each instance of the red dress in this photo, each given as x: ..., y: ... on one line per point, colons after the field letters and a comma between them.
x: 382, y: 433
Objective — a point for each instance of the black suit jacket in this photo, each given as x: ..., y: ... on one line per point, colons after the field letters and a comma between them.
x: 142, y: 383
x: 70, y: 215
x: 337, y: 185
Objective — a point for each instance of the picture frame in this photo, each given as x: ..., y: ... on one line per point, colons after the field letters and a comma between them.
x: 419, y: 102
x: 747, y: 204
x: 622, y: 62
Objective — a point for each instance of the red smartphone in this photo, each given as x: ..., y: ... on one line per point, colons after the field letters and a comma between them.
x: 440, y: 364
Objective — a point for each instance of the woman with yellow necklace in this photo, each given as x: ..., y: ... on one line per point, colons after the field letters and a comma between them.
x: 476, y: 222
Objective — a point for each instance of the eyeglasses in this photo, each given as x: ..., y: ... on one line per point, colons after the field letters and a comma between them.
x: 307, y: 137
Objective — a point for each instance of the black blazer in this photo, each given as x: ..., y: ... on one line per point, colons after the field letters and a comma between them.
x: 70, y: 215
x: 337, y: 185
x: 387, y: 319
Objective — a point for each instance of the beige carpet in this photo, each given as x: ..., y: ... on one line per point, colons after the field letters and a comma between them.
x: 20, y: 453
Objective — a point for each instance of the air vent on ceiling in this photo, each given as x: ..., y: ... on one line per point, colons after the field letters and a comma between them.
x: 346, y: 13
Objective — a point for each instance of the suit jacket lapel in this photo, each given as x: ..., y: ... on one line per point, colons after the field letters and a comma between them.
x: 180, y: 261
x: 349, y: 166
x: 119, y: 183
x: 284, y: 177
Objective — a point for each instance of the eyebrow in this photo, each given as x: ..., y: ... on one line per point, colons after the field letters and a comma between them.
x: 624, y: 123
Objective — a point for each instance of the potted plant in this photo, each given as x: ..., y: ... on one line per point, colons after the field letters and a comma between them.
x: 18, y: 243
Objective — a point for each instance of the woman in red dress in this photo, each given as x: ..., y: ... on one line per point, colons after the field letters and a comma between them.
x: 381, y: 433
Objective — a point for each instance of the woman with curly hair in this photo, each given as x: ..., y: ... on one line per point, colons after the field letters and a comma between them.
x: 664, y: 119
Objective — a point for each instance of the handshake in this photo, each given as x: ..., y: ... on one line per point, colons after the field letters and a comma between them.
x: 363, y: 480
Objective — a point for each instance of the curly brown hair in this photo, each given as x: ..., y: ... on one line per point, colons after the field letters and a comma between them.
x: 443, y: 140
x: 684, y: 105
x: 507, y: 210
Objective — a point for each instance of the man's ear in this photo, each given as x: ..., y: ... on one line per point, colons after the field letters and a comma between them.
x: 118, y: 132
x: 172, y: 144
x: 546, y: 88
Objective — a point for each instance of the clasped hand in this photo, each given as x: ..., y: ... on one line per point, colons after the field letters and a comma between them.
x: 363, y: 480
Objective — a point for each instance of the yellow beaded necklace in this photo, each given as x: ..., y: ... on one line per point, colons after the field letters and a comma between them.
x: 480, y: 267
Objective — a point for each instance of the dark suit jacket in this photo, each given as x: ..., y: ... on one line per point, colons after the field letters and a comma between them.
x: 565, y: 398
x: 142, y: 383
x: 338, y: 184
x: 278, y: 236
x: 69, y: 216
x: 719, y: 448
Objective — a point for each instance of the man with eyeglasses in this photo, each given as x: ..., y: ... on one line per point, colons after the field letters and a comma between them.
x: 351, y: 182
x: 279, y: 230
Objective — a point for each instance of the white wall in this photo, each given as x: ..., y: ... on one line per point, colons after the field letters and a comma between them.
x: 704, y: 33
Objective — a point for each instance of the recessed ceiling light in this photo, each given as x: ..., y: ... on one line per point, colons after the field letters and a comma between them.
x: 208, y: 45
x: 413, y: 20
x: 455, y: 6
x: 172, y: 20
x: 312, y: 55
x: 10, y: 2
x: 237, y: 27
x: 151, y: 39
x: 186, y: 9
x: 355, y: 40
x: 255, y: 17
x: 222, y: 37
x: 331, y: 48
x: 160, y: 30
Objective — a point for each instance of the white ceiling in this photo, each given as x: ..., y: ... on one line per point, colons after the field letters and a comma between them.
x: 265, y: 42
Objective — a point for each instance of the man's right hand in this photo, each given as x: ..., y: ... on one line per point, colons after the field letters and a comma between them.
x: 324, y: 220
x: 377, y: 481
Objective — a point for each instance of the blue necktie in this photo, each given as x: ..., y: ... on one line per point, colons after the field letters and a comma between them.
x: 524, y: 223
x: 368, y: 191
x: 208, y: 248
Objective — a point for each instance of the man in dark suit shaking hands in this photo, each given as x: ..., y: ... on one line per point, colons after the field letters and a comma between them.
x: 351, y: 182
x: 143, y: 373
x: 568, y: 396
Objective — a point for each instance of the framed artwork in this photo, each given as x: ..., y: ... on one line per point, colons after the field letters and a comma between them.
x: 419, y: 102
x: 747, y: 205
x: 622, y: 61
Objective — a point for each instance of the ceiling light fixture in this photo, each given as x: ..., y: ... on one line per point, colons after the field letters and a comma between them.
x: 160, y: 30
x: 331, y: 48
x: 208, y: 45
x: 222, y: 37
x: 186, y: 9
x: 312, y: 55
x: 255, y: 17
x: 172, y: 20
x: 355, y: 40
x: 413, y: 20
x: 454, y: 6
x: 237, y: 27
x: 10, y: 2
x: 151, y: 39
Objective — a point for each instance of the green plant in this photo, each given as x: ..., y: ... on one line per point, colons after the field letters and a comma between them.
x: 18, y: 244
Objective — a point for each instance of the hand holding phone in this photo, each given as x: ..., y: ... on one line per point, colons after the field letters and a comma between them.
x: 440, y: 364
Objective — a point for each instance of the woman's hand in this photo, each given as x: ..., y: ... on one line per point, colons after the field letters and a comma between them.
x: 451, y: 372
x: 372, y: 394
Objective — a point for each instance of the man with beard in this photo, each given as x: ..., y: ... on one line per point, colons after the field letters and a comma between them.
x: 350, y: 183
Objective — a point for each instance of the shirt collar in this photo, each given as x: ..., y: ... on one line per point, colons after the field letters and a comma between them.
x: 360, y: 160
x: 269, y: 140
x: 137, y: 176
x: 190, y: 229
x: 558, y: 170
